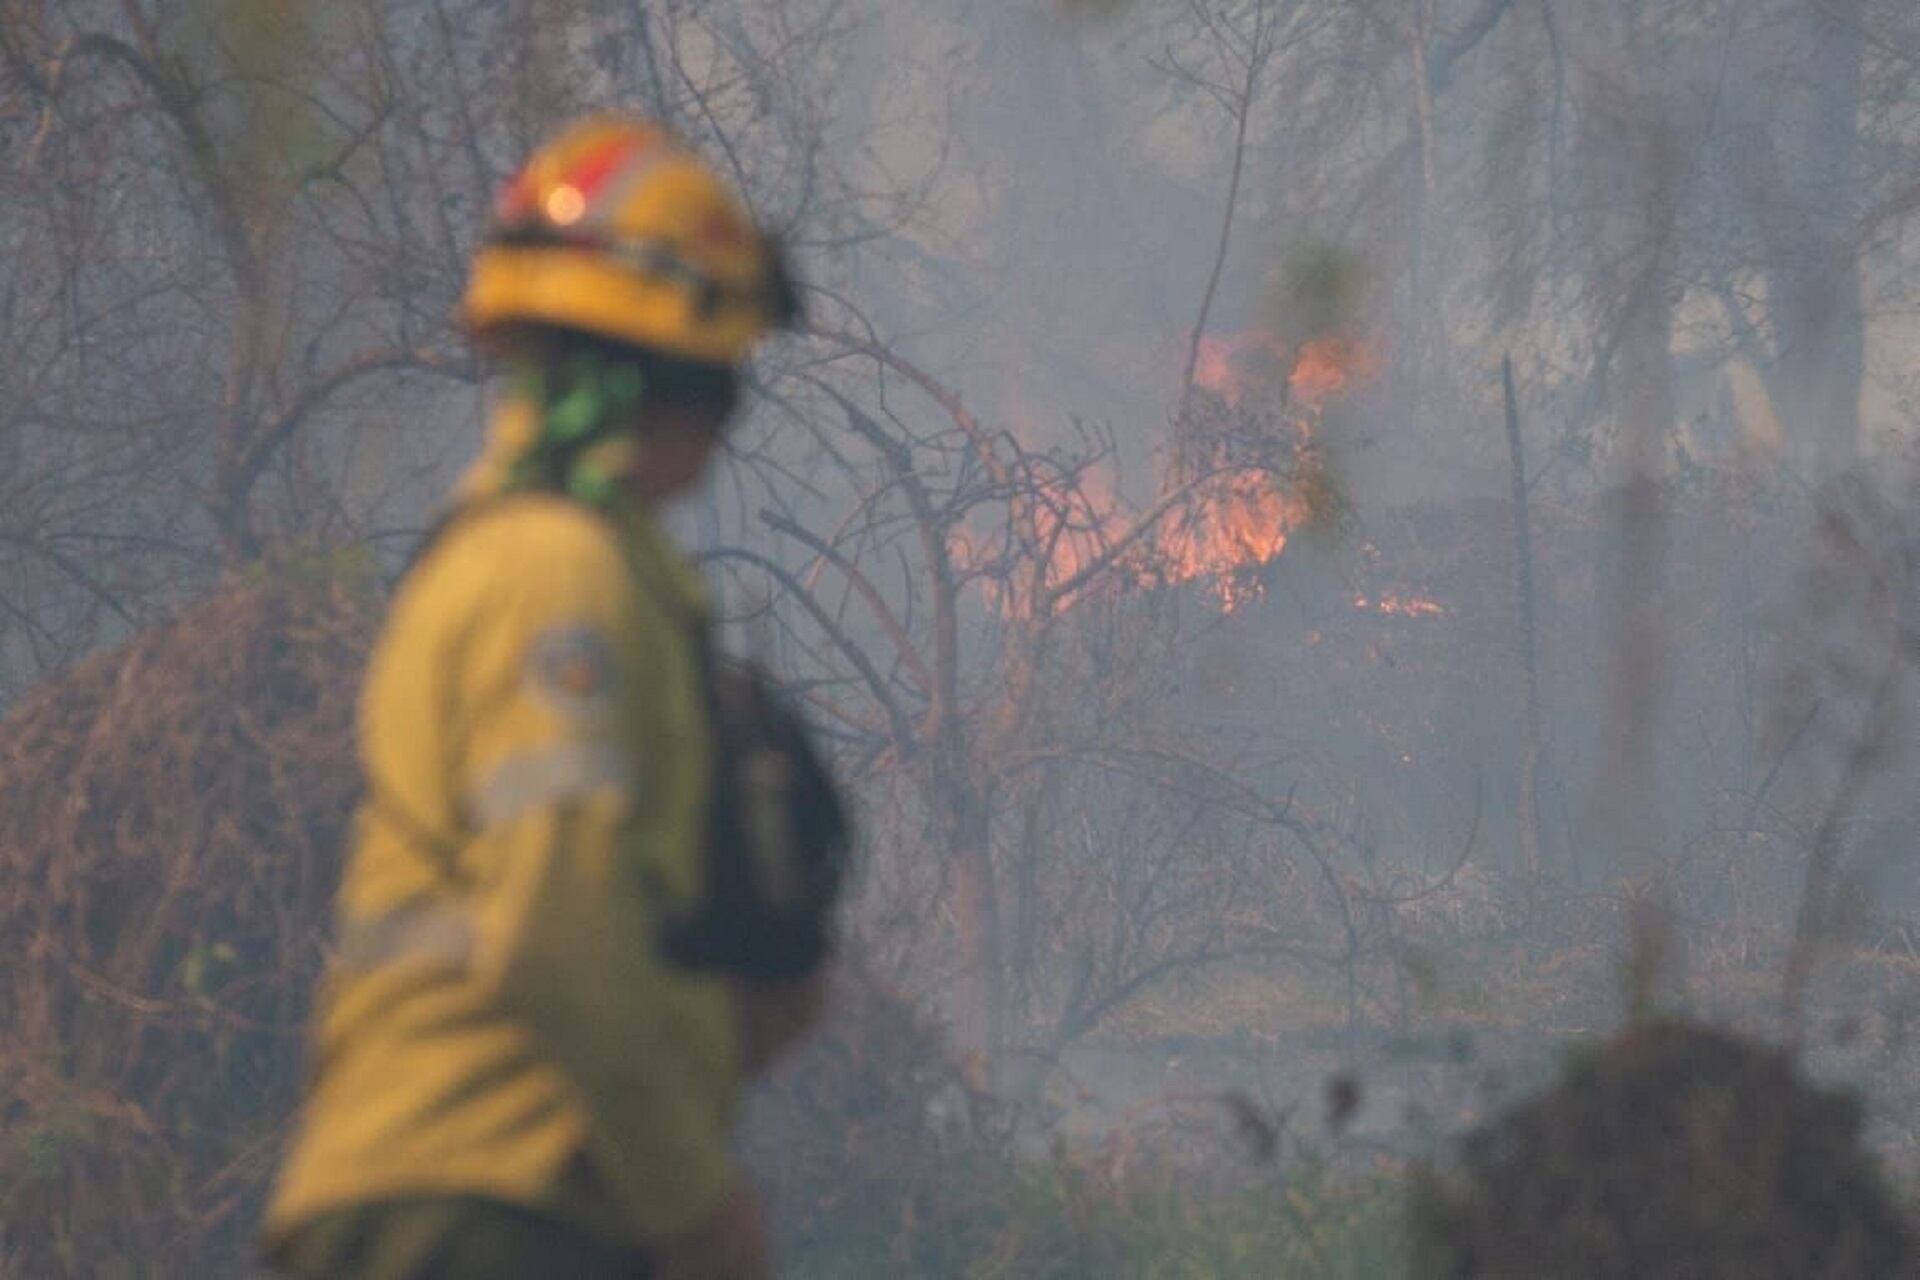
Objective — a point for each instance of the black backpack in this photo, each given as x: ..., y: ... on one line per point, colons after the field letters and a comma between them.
x: 778, y: 838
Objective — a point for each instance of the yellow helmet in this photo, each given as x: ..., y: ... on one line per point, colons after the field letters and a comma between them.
x: 615, y: 230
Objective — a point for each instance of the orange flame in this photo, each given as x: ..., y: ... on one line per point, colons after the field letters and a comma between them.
x: 1075, y: 524
x: 1234, y: 524
x: 1231, y: 365
x: 1234, y: 365
x: 1063, y: 528
x: 1225, y: 529
x: 1326, y: 367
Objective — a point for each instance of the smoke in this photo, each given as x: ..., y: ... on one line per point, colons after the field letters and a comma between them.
x: 1138, y: 514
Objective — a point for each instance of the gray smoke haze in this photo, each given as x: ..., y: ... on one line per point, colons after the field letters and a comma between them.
x: 1064, y: 258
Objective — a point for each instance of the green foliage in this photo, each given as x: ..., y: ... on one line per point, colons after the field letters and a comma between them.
x: 998, y: 1220
x: 40, y: 1147
x: 354, y: 568
x: 44, y: 1147
x: 206, y: 965
x: 264, y: 131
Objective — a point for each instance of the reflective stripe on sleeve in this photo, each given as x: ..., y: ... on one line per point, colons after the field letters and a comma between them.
x: 438, y: 934
x: 535, y: 778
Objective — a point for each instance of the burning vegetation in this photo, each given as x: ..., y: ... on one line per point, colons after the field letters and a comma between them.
x: 1247, y: 448
x: 1244, y: 476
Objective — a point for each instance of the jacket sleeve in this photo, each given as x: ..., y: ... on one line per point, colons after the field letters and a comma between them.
x: 564, y: 684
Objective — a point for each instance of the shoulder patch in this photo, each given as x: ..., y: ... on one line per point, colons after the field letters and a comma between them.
x: 573, y: 671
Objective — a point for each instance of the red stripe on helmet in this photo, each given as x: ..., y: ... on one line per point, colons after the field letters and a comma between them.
x: 591, y: 171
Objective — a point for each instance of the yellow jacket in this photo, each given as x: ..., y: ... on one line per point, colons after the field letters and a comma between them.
x: 496, y: 1021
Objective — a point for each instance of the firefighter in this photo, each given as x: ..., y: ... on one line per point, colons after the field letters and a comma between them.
x: 548, y: 985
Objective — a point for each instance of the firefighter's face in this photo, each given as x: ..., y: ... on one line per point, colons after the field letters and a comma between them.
x: 679, y: 442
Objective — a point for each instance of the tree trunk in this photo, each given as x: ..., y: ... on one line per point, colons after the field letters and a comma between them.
x: 1529, y: 780
x: 1814, y: 272
x: 976, y: 909
x: 1631, y: 785
x: 1423, y: 323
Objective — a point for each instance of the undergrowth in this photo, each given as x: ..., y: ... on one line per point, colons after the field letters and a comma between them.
x: 996, y: 1220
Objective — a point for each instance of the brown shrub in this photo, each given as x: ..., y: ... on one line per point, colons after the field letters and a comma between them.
x: 1676, y: 1151
x: 171, y: 816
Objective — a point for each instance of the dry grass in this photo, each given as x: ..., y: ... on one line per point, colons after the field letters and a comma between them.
x: 171, y: 818
x: 856, y: 1136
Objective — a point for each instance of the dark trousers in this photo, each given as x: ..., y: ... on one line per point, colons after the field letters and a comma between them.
x: 451, y: 1238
